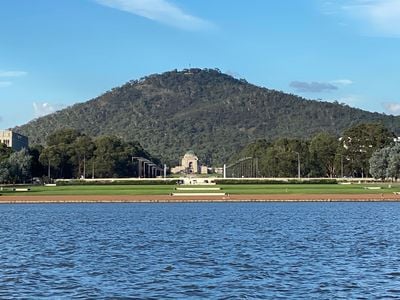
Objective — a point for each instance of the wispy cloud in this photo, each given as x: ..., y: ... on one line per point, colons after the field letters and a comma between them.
x: 9, y: 74
x: 319, y: 87
x: 312, y: 87
x: 12, y: 73
x: 342, y: 82
x: 161, y: 11
x: 392, y: 108
x: 373, y: 17
x: 5, y: 83
x: 41, y: 109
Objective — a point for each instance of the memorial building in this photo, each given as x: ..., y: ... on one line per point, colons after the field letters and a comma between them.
x: 190, y: 165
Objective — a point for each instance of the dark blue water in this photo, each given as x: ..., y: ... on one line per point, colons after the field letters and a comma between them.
x: 218, y: 251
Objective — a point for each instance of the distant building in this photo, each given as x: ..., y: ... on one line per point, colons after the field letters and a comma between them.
x: 190, y: 165
x: 13, y: 140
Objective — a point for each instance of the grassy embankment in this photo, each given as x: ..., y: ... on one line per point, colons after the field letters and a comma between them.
x: 239, y: 189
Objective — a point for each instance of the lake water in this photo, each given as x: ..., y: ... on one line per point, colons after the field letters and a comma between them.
x: 196, y: 251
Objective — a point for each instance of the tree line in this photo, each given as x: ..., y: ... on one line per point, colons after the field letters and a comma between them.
x: 361, y: 151
x: 325, y: 154
x: 69, y: 153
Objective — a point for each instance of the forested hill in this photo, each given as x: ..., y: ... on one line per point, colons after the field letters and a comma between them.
x: 202, y: 110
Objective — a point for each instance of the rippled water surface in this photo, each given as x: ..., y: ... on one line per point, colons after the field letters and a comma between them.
x: 218, y: 251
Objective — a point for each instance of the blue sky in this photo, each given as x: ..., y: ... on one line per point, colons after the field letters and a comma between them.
x: 57, y: 53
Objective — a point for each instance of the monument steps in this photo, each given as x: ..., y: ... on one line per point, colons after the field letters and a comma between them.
x: 198, y: 189
x: 198, y: 194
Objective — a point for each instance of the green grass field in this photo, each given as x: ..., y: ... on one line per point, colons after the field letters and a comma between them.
x: 305, y: 189
x: 230, y: 189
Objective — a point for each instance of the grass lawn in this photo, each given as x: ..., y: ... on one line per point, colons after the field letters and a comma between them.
x: 230, y: 189
x: 304, y: 189
x: 97, y: 190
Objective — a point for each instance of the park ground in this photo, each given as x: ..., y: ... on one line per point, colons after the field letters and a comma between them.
x: 236, y: 192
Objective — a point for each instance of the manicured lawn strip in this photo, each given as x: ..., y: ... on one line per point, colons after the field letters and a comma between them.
x: 98, y: 190
x: 308, y: 189
x: 239, y: 189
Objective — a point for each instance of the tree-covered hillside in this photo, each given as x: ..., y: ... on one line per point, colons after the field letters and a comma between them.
x: 202, y: 110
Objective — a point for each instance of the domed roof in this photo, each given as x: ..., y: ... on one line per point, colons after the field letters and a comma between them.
x: 190, y: 155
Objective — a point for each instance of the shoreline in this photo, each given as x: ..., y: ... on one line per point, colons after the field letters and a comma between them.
x: 187, y: 199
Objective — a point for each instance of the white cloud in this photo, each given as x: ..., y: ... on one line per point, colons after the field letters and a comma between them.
x: 9, y: 74
x: 41, y: 109
x: 5, y: 83
x: 342, y: 82
x: 392, y: 108
x: 12, y: 73
x: 161, y: 11
x: 312, y: 87
x: 373, y: 17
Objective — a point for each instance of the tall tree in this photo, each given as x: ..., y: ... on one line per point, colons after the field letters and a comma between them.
x: 52, y: 159
x: 38, y: 170
x: 81, y: 152
x: 20, y: 166
x: 393, y: 167
x: 4, y: 171
x: 360, y: 142
x: 283, y: 157
x: 5, y: 152
x: 63, y: 136
x: 323, y: 149
x: 108, y: 150
x: 385, y: 163
x: 378, y: 163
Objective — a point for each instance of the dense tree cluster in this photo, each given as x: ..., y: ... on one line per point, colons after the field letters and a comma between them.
x: 203, y: 110
x: 328, y: 155
x: 385, y: 163
x: 69, y: 153
x: 360, y: 151
x: 14, y: 166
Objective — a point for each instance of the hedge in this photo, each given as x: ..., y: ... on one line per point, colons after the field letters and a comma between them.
x: 269, y: 181
x: 117, y: 182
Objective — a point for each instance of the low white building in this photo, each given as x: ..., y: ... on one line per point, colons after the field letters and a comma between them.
x: 13, y: 140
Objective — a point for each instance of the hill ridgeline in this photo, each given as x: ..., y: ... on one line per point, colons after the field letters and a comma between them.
x: 203, y: 110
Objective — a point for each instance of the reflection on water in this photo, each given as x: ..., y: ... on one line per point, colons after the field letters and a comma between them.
x: 242, y: 250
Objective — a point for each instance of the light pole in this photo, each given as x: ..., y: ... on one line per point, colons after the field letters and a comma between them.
x: 48, y: 171
x: 298, y: 164
x: 84, y: 166
x: 341, y: 164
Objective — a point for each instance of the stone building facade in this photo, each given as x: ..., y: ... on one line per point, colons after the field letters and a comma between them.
x: 13, y: 140
x: 190, y: 165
